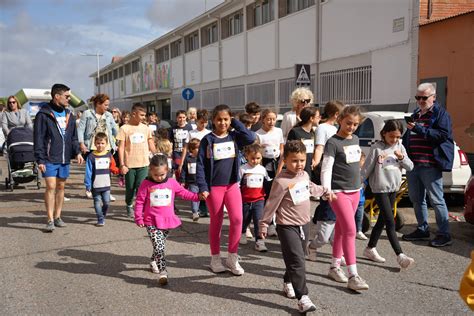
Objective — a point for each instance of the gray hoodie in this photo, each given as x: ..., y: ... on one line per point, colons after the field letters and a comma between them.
x: 383, y: 169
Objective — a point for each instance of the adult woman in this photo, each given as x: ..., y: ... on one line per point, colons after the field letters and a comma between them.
x: 300, y: 98
x: 192, y: 116
x: 117, y: 116
x: 15, y: 116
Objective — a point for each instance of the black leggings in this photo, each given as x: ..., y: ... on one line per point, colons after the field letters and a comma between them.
x: 385, y: 202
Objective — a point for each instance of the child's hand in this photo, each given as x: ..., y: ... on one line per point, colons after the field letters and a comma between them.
x: 330, y: 196
x: 140, y: 225
x: 399, y: 154
x: 203, y: 195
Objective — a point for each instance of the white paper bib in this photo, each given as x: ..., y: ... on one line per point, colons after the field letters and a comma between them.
x: 299, y: 192
x: 152, y: 127
x: 192, y: 168
x: 254, y: 180
x: 102, y: 163
x: 224, y: 150
x: 390, y: 162
x: 137, y: 138
x: 309, y: 144
x: 270, y: 151
x: 181, y: 134
x: 160, y: 197
x: 353, y: 153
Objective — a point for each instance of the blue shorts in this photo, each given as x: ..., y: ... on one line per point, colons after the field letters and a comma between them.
x: 56, y: 170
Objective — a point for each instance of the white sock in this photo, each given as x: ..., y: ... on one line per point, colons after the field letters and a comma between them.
x: 335, y: 262
x: 352, y: 270
x: 402, y: 255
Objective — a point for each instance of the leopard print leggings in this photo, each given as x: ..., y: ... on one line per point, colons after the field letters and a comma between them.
x: 158, y: 240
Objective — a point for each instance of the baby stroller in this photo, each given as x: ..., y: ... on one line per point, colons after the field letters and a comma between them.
x: 22, y: 167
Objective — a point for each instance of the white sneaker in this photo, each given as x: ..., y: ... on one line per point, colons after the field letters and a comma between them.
x: 372, y: 254
x: 89, y: 194
x: 163, y: 277
x: 311, y: 254
x: 248, y: 233
x: 260, y: 246
x: 361, y: 236
x: 195, y: 217
x: 271, y: 231
x: 154, y: 267
x: 337, y: 275
x: 289, y: 290
x: 343, y: 262
x: 243, y: 239
x: 305, y: 304
x: 356, y: 283
x: 404, y: 261
x: 112, y: 198
x: 66, y: 199
x: 216, y: 264
x: 232, y: 263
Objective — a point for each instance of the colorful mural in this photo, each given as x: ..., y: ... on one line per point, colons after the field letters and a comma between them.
x: 148, y: 63
x: 136, y: 82
x: 163, y: 76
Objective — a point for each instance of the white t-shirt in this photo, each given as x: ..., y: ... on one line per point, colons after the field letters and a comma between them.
x: 289, y: 121
x: 271, y: 142
x: 197, y: 134
x: 324, y: 132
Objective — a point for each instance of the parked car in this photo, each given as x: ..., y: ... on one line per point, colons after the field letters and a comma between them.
x: 469, y: 201
x: 369, y: 132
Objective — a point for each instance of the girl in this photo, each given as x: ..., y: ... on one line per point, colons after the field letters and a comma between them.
x: 304, y: 131
x: 165, y: 147
x: 383, y: 168
x: 125, y: 117
x: 154, y: 209
x: 340, y: 175
x: 217, y: 176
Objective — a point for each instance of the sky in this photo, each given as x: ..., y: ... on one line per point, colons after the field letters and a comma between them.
x: 41, y: 41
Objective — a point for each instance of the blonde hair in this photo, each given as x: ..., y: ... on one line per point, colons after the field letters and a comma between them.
x: 163, y: 146
x: 18, y: 104
x: 351, y: 110
x: 301, y: 93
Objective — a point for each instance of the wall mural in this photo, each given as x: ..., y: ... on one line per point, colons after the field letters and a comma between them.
x: 163, y: 76
x: 136, y: 82
x: 148, y: 62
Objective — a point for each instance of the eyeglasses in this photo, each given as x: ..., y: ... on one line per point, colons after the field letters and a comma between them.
x: 424, y: 98
x: 114, y: 111
x: 67, y: 96
x: 11, y: 102
x: 306, y: 101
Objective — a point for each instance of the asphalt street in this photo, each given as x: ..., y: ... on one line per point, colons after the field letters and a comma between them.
x: 84, y: 269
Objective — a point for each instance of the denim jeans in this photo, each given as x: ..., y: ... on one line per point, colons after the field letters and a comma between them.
x: 252, y: 211
x: 359, y: 217
x: 194, y: 205
x: 422, y: 180
x: 101, y: 203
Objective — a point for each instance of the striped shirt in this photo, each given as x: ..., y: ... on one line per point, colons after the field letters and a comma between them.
x: 420, y: 148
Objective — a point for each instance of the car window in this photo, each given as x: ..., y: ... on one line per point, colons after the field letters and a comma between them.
x: 366, y: 129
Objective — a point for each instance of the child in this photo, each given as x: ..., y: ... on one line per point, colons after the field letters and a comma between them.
x: 124, y: 119
x: 247, y: 120
x: 271, y: 139
x: 154, y: 208
x: 383, y: 169
x: 253, y: 175
x: 164, y: 146
x: 99, y: 164
x: 136, y: 143
x: 304, y: 131
x: 289, y: 200
x: 340, y: 175
x: 218, y: 180
x: 188, y: 174
x: 359, y: 216
x: 254, y: 110
x: 177, y: 135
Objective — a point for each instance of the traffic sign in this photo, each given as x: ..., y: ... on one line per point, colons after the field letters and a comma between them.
x: 188, y: 94
x: 303, y: 74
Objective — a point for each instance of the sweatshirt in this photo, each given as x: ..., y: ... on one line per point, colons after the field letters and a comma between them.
x: 383, y: 169
x: 289, y: 200
x: 155, y: 203
x: 98, y: 168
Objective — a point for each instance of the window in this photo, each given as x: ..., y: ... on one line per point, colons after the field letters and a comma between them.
x: 209, y: 34
x: 109, y: 76
x: 232, y: 24
x: 135, y: 65
x: 191, y: 42
x: 352, y: 86
x: 115, y: 74
x: 120, y: 72
x: 366, y: 129
x: 128, y: 69
x: 290, y: 6
x: 176, y: 49
x: 101, y: 79
x: 162, y: 54
x: 259, y: 13
x: 263, y: 93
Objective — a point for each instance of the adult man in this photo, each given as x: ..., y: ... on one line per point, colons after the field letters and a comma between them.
x: 55, y: 142
x: 430, y: 146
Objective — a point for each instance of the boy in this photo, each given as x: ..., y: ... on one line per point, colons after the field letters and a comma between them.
x: 289, y: 200
x: 99, y: 164
x: 253, y: 174
x: 136, y: 143
x: 254, y: 110
x: 246, y: 119
x: 177, y: 135
x: 188, y: 174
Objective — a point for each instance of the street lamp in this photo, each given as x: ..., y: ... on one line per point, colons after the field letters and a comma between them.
x: 98, y: 66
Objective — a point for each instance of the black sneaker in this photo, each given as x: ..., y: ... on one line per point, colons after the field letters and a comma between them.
x: 417, y: 235
x: 441, y: 241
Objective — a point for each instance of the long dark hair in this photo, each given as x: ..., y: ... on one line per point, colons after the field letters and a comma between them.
x: 306, y: 114
x: 390, y: 126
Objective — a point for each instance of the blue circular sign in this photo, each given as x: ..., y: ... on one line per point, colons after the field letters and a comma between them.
x: 188, y: 94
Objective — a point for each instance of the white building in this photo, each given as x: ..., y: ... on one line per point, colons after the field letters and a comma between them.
x: 362, y: 52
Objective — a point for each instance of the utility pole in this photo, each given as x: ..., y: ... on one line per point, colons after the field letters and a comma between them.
x: 97, y: 55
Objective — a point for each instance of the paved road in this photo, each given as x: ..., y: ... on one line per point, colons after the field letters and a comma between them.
x: 83, y: 269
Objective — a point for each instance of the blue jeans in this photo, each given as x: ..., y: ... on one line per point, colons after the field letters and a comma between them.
x: 101, y: 203
x: 422, y: 180
x: 359, y: 216
x: 194, y: 205
x: 252, y: 211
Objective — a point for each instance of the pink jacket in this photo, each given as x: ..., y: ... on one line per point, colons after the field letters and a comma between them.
x: 155, y: 203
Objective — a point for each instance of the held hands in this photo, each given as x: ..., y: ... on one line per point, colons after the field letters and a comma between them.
x: 124, y: 170
x: 203, y: 195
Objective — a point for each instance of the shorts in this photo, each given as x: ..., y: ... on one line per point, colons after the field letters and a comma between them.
x: 56, y: 170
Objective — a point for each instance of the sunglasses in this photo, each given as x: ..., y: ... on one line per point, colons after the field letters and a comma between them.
x: 11, y: 102
x: 306, y: 101
x: 424, y: 98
